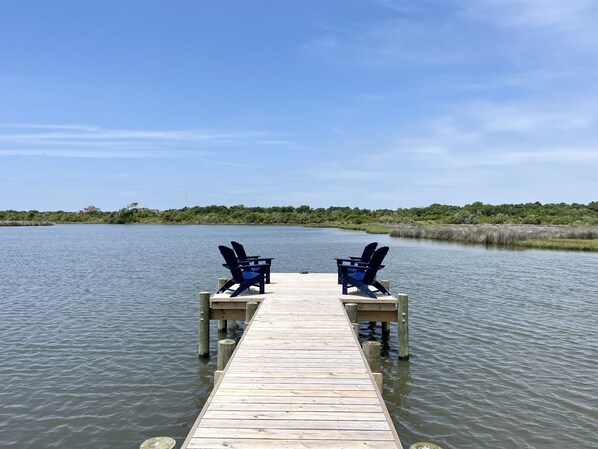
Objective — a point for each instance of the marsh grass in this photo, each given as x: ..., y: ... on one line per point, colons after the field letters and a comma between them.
x: 24, y: 223
x: 569, y: 244
x: 506, y: 235
x: 369, y: 228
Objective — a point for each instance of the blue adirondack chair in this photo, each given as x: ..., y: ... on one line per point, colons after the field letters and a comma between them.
x: 365, y: 257
x: 245, y: 260
x: 242, y: 275
x: 364, y: 276
x: 240, y: 250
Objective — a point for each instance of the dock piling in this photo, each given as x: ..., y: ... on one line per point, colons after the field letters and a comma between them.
x: 372, y: 351
x: 226, y: 348
x: 158, y: 443
x: 204, y: 325
x: 403, y: 325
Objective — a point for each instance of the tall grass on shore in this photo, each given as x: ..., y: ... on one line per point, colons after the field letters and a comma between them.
x: 503, y: 235
x: 25, y: 223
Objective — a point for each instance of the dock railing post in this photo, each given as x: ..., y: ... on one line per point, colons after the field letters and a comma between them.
x: 403, y: 325
x: 385, y: 324
x: 203, y: 346
x: 372, y: 351
x: 351, y: 309
x: 221, y: 323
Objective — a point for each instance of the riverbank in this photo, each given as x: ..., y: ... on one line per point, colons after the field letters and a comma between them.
x: 25, y: 223
x: 507, y: 235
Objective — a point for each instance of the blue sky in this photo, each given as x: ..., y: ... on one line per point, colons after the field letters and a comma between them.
x: 375, y: 104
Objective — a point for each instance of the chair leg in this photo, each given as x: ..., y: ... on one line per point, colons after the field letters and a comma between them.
x: 364, y: 288
x: 242, y: 287
x: 380, y: 288
x: 226, y: 286
x: 262, y: 287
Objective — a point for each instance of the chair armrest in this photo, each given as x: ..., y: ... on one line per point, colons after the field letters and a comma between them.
x: 249, y: 266
x: 252, y: 261
x: 350, y: 262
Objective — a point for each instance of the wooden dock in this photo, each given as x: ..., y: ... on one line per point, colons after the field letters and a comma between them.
x: 298, y: 377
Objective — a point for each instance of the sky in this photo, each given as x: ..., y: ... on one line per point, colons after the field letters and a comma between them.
x: 361, y: 103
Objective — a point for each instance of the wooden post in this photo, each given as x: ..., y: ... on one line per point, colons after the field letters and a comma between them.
x: 372, y: 350
x: 351, y: 309
x: 226, y: 348
x: 385, y: 324
x: 221, y: 323
x: 158, y: 443
x: 250, y: 309
x: 204, y: 325
x: 403, y: 321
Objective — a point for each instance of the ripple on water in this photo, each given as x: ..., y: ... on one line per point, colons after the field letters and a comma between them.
x: 98, y: 330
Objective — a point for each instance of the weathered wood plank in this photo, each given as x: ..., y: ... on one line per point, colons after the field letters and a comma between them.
x: 207, y: 443
x: 313, y: 434
x: 304, y: 424
x: 302, y: 416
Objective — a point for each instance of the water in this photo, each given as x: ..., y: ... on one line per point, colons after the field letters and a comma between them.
x: 98, y: 332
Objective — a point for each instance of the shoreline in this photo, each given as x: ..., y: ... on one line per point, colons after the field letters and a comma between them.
x: 25, y: 223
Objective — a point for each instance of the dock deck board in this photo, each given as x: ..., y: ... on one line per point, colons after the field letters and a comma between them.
x: 298, y: 378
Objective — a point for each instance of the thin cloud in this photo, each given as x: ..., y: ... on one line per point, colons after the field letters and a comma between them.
x: 85, y: 141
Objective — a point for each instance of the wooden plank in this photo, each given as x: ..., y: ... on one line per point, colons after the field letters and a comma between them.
x: 302, y: 416
x: 350, y: 423
x: 284, y: 434
x: 219, y: 443
x: 297, y: 400
x: 299, y: 392
x: 296, y: 380
x: 294, y: 407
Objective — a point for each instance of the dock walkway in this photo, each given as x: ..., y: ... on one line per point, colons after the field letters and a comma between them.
x: 298, y: 378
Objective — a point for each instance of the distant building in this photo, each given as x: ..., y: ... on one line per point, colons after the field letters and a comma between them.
x: 90, y: 209
x: 145, y: 209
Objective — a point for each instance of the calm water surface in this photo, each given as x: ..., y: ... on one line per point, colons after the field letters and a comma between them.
x: 98, y: 332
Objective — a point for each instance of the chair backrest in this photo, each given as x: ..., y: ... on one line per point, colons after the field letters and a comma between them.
x: 241, y: 254
x: 368, y: 251
x: 374, y: 264
x: 231, y: 261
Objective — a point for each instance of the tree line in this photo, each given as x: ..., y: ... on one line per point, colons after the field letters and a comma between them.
x: 475, y: 213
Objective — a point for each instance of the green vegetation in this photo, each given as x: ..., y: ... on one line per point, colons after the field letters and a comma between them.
x: 475, y: 213
x: 533, y: 225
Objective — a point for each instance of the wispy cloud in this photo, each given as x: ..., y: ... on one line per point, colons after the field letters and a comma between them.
x: 87, y: 141
x: 502, y: 134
